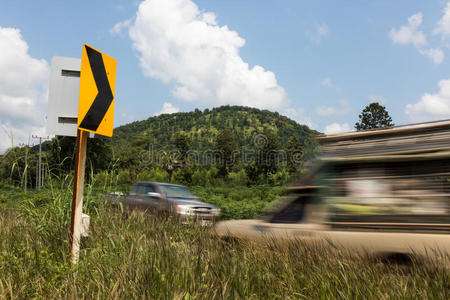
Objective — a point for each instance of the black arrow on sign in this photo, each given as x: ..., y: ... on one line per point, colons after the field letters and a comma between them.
x: 104, y: 97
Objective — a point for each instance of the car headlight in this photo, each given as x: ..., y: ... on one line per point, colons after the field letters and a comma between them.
x: 215, y: 211
x: 183, y: 209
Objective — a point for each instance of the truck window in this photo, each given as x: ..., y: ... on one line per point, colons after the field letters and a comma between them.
x: 144, y: 189
x: 148, y: 189
x: 293, y: 212
x: 176, y: 191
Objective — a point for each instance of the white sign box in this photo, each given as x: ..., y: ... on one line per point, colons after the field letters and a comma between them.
x: 63, y: 96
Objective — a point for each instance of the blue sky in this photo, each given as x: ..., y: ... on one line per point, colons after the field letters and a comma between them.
x: 319, y: 62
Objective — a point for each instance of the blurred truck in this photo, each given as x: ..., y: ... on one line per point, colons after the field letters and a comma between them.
x: 381, y: 191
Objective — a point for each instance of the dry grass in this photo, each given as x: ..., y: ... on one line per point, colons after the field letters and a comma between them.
x: 130, y: 256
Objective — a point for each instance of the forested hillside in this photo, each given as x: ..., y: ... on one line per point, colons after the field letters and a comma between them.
x: 202, y: 128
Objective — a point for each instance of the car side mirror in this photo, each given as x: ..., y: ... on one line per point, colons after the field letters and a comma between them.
x: 154, y: 195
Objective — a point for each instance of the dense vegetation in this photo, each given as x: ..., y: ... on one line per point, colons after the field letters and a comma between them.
x: 190, y: 141
x: 229, y: 145
x: 202, y: 128
x: 129, y: 256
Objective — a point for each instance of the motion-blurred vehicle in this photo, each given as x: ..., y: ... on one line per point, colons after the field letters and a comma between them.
x: 169, y: 198
x: 382, y: 191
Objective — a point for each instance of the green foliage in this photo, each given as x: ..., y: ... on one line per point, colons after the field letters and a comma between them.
x: 239, y: 178
x: 253, y: 173
x: 200, y: 177
x: 294, y: 151
x: 189, y: 175
x: 239, y: 202
x: 373, y: 115
x: 183, y: 175
x: 267, y: 153
x: 203, y: 128
x: 101, y: 178
x: 206, y: 177
x: 226, y: 145
x: 154, y: 174
x: 177, y: 143
x: 61, y: 155
x: 279, y: 178
x: 183, y: 144
x: 10, y: 195
x: 12, y: 165
x: 19, y: 162
x: 125, y: 177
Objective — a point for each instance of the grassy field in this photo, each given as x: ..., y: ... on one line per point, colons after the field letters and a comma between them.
x: 134, y: 256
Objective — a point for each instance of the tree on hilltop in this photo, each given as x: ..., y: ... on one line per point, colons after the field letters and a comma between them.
x: 373, y: 115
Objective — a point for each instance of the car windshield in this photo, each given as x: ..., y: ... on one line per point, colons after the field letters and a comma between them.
x: 176, y: 191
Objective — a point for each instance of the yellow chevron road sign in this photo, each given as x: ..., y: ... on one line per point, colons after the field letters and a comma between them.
x: 97, y: 83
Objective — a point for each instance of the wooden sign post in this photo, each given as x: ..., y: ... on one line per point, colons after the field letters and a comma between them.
x: 77, y: 198
x: 96, y: 115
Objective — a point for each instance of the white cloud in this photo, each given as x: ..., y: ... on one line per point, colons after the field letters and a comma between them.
x: 409, y: 34
x: 300, y: 116
x: 120, y: 7
x: 435, y: 54
x: 320, y: 31
x: 23, y: 86
x: 176, y: 42
x: 342, y: 109
x: 326, y: 82
x: 432, y: 106
x: 168, y: 108
x: 443, y: 26
x: 336, y: 128
x: 118, y: 28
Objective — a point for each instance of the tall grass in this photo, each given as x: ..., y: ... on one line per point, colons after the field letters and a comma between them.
x: 135, y: 255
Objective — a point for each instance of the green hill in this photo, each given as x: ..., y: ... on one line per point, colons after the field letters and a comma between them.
x: 202, y: 128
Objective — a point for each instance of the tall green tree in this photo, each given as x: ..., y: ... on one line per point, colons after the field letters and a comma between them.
x: 183, y: 144
x: 373, y: 115
x: 267, y: 153
x: 226, y: 145
x: 294, y: 151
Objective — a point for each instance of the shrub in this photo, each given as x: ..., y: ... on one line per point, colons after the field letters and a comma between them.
x: 239, y: 202
x: 200, y: 177
x: 183, y: 175
x: 154, y: 174
x: 238, y: 178
x: 279, y: 178
x: 100, y: 179
x: 124, y: 178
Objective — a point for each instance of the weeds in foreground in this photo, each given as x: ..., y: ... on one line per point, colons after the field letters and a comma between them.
x: 142, y: 256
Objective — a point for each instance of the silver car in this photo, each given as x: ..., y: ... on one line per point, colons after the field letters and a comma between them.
x: 170, y: 198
